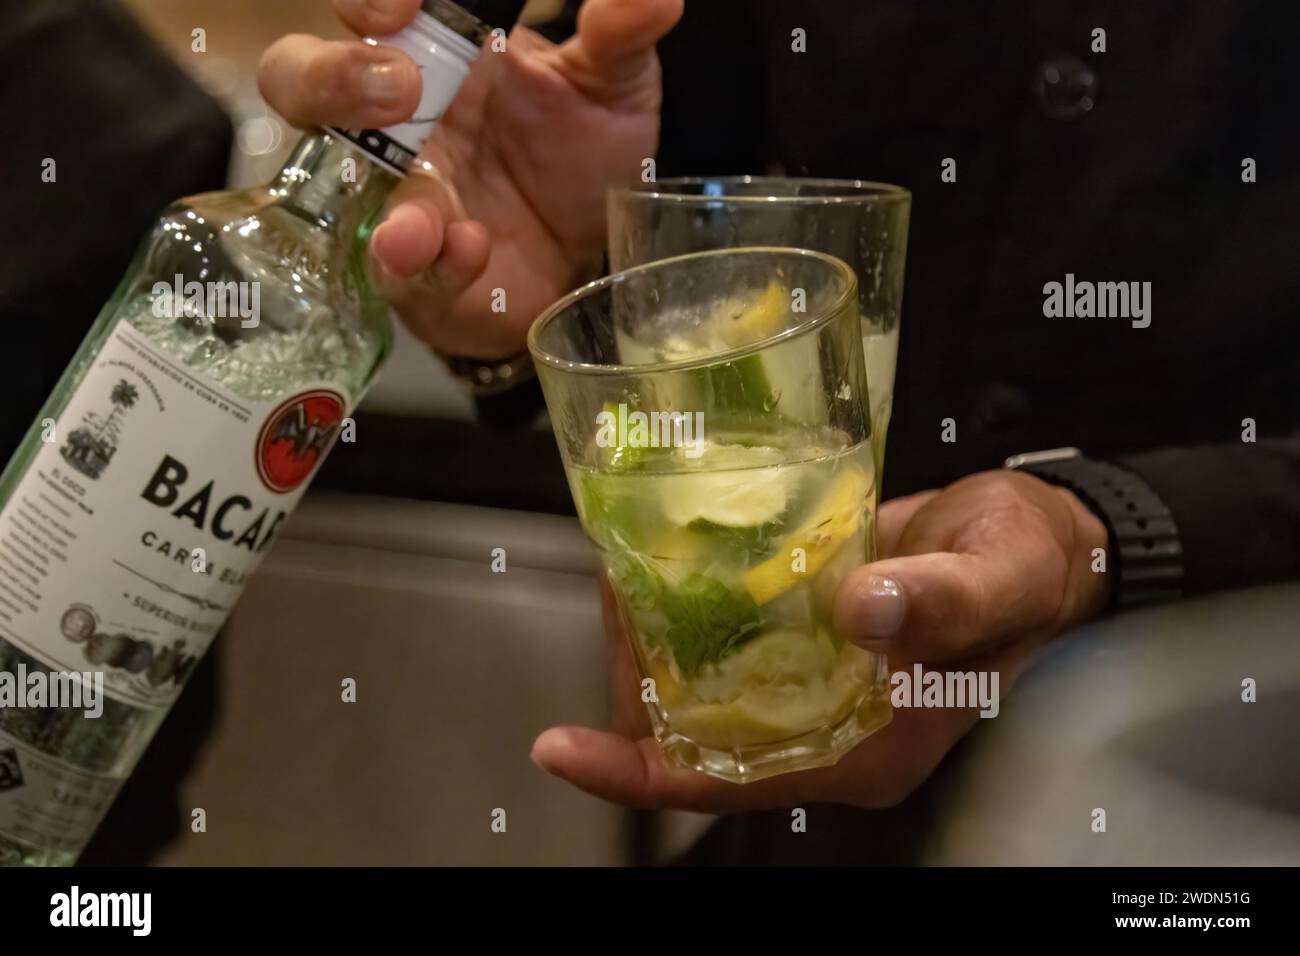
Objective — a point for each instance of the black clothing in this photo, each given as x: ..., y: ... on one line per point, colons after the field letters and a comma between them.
x: 1146, y: 185
x: 82, y: 84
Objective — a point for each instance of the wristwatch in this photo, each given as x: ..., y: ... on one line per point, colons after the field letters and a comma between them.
x: 1144, y: 552
x: 487, y: 378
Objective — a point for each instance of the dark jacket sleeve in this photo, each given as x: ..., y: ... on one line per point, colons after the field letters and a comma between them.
x: 1237, y: 507
x: 83, y: 85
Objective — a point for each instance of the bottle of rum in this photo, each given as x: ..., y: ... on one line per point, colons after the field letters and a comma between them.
x: 178, y: 441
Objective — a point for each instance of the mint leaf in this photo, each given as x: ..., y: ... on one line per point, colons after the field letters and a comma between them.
x: 639, y: 584
x: 707, y: 621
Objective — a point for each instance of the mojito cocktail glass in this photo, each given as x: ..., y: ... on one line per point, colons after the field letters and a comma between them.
x: 711, y: 411
x: 863, y: 223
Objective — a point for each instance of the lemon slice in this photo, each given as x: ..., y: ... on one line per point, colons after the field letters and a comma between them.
x: 837, y: 518
x: 668, y: 689
x: 783, y: 684
x: 760, y: 319
x: 784, y: 657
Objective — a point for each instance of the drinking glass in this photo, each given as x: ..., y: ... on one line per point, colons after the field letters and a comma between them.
x: 711, y: 412
x: 863, y: 223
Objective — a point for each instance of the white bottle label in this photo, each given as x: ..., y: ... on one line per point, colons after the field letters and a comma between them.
x: 444, y: 58
x: 46, y: 803
x: 129, y: 538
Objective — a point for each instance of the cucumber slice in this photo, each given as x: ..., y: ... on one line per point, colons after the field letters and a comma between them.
x: 786, y: 379
x: 729, y: 499
x: 744, y: 385
x: 784, y: 382
x: 793, y: 377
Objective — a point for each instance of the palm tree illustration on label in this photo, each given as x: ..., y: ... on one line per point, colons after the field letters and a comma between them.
x: 90, y: 447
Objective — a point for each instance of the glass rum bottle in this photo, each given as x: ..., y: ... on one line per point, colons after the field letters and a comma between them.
x: 181, y: 436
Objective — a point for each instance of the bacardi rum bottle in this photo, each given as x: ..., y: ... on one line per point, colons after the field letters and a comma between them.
x: 178, y: 441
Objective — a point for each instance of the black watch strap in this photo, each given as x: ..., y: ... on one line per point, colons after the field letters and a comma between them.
x: 1145, y: 551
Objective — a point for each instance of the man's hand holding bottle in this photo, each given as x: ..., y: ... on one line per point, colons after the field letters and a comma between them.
x: 520, y: 163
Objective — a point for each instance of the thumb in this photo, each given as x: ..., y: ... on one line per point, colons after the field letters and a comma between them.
x: 945, y: 605
x: 616, y: 38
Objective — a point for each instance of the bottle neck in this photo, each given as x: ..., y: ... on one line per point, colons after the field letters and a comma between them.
x: 456, y: 18
x: 332, y: 184
x: 339, y: 179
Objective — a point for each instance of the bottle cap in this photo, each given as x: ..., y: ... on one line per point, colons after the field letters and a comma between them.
x: 444, y: 55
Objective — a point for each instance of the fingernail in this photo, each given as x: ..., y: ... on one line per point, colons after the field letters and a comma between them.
x: 880, y: 609
x: 381, y: 83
